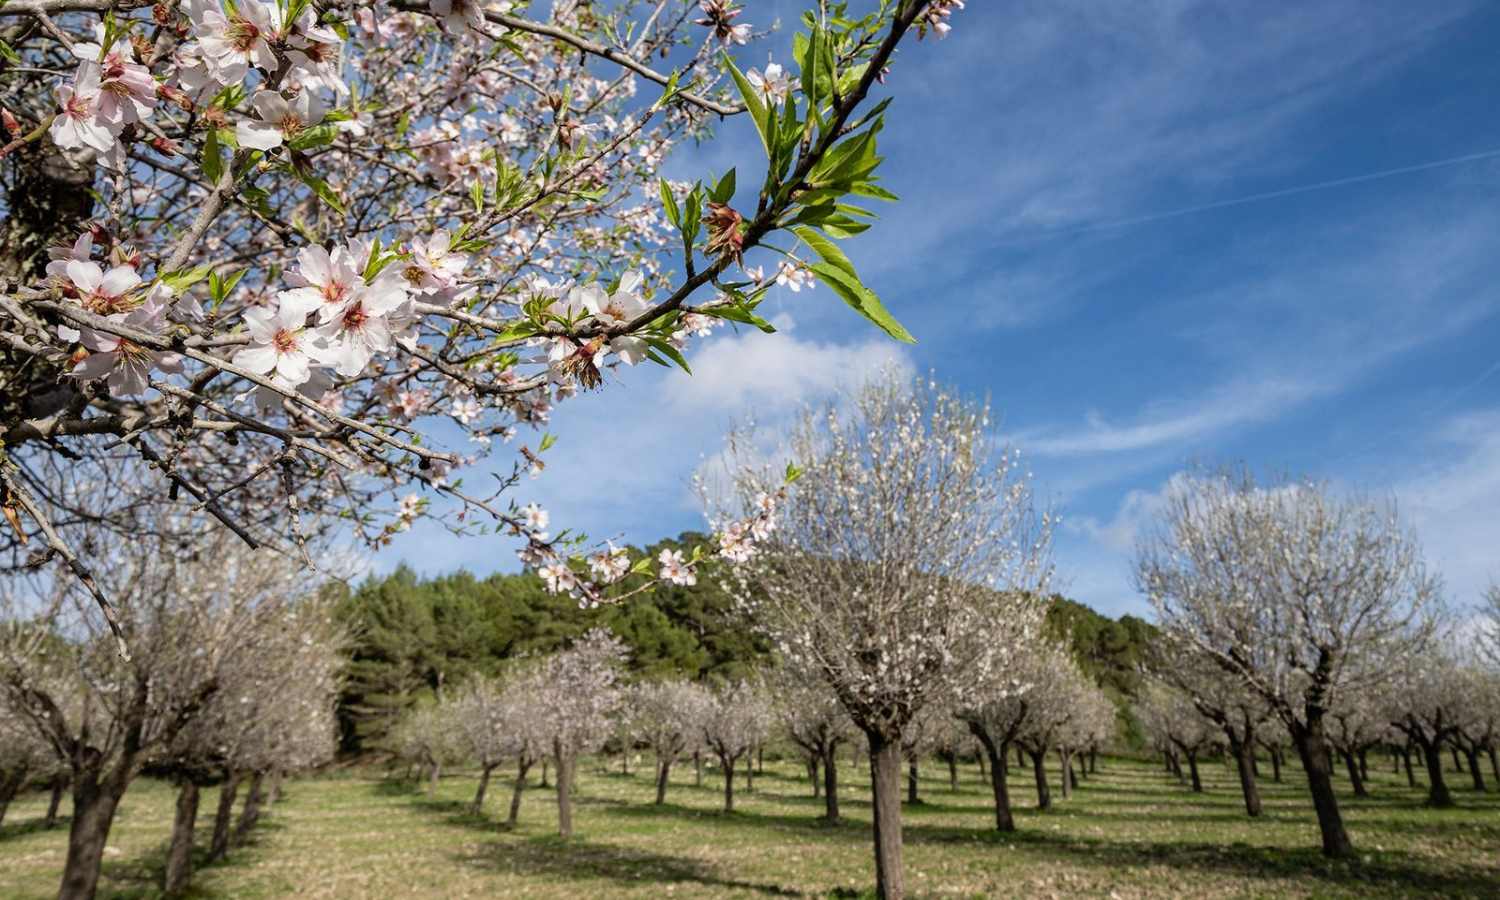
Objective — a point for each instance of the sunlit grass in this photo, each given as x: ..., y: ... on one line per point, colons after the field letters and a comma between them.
x: 1130, y: 831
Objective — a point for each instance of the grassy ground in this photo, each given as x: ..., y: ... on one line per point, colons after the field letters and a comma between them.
x: 1130, y: 831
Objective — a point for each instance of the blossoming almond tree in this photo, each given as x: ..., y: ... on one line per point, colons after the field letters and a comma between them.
x: 309, y: 258
x: 1301, y: 594
x: 904, y: 568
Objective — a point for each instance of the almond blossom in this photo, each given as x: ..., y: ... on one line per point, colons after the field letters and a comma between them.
x: 125, y: 365
x: 280, y: 120
x: 674, y: 568
x: 279, y: 345
x: 231, y: 42
x: 793, y: 277
x: 775, y: 83
x: 359, y: 329
x: 324, y: 282
x: 100, y: 292
x: 80, y: 121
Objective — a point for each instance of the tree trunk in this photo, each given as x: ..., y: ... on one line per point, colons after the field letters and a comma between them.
x: 1437, y: 791
x: 1276, y: 764
x: 1176, y: 764
x: 1457, y: 766
x: 545, y: 763
x: 1495, y: 762
x: 1020, y: 756
x: 984, y: 772
x: 1244, y: 761
x: 1355, y: 779
x: 180, y: 853
x: 250, y: 813
x: 273, y: 795
x: 1411, y: 776
x: 1312, y: 747
x: 760, y: 760
x: 433, y: 774
x: 814, y: 763
x: 953, y: 772
x: 1474, y: 771
x: 1395, y: 761
x: 749, y: 773
x: 522, y: 767
x: 911, y: 782
x: 885, y: 788
x: 998, y: 757
x: 59, y: 786
x: 564, y: 762
x: 1062, y: 770
x: 1094, y: 761
x: 94, y: 805
x: 222, y: 817
x: 1192, y: 758
x: 727, y: 765
x: 697, y: 768
x: 663, y: 773
x: 830, y: 784
x: 1039, y: 771
x: 9, y: 787
x: 1363, y: 754
x: 484, y: 785
x: 624, y: 760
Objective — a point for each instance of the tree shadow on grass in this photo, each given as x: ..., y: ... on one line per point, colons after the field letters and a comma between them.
x: 574, y: 859
x: 1374, y: 873
x: 142, y: 875
x: 16, y: 829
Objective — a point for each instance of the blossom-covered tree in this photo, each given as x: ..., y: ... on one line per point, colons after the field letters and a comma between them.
x: 582, y: 692
x: 308, y: 259
x: 1222, y: 698
x: 1171, y: 718
x: 1427, y: 707
x: 668, y: 717
x: 1302, y: 594
x: 736, y: 718
x: 904, y: 567
x: 189, y: 620
x: 812, y: 717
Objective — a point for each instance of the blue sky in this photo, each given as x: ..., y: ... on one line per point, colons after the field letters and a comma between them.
x: 1085, y: 235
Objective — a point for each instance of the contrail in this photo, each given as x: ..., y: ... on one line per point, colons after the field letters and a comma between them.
x: 1284, y: 192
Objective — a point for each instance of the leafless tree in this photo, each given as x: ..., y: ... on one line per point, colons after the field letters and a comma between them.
x: 1304, y: 595
x: 904, y: 567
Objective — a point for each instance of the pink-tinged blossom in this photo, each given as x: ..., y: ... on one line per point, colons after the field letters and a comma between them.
x: 936, y: 17
x: 433, y: 266
x: 459, y: 15
x: 719, y: 15
x: 231, y: 42
x: 100, y: 292
x: 535, y: 518
x: 324, y: 282
x: 775, y: 83
x: 127, y: 92
x: 360, y: 329
x: 793, y: 277
x: 735, y: 544
x: 279, y: 344
x: 609, y: 565
x: 280, y: 120
x: 79, y: 122
x: 125, y: 365
x: 558, y: 578
x: 466, y: 410
x: 675, y: 569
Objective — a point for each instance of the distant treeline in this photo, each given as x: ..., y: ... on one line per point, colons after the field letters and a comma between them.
x: 414, y: 636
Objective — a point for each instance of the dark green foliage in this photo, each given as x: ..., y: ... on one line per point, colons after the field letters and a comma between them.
x: 413, y: 636
x: 1111, y: 651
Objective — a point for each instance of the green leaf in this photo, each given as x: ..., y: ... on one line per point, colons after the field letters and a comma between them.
x: 315, y: 136
x: 666, y: 349
x: 674, y: 215
x: 321, y: 188
x: 724, y: 190
x: 862, y: 299
x: 757, y: 108
x: 182, y: 279
x: 476, y: 193
x: 547, y: 441
x: 213, y: 163
x: 524, y: 328
x: 828, y: 250
x: 737, y: 313
x: 792, y: 472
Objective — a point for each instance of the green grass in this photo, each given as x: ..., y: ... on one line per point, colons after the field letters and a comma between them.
x: 1130, y: 831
